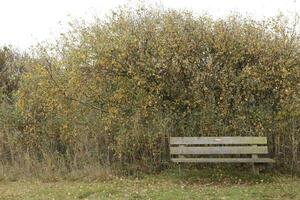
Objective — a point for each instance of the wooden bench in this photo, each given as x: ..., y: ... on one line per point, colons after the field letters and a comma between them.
x: 219, y: 150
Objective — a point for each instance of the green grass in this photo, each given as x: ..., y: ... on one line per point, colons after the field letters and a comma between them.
x: 190, y: 184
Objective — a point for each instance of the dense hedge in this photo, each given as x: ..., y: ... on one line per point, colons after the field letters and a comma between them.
x: 112, y: 92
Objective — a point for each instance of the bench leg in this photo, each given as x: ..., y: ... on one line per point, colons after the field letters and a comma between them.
x: 179, y: 169
x: 255, y: 169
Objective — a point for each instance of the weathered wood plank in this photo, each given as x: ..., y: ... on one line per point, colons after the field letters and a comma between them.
x: 219, y: 150
x: 223, y: 160
x: 217, y: 140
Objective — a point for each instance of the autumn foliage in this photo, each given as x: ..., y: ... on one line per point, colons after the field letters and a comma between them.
x: 110, y: 93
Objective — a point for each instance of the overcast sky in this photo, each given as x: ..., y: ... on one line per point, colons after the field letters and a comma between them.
x: 25, y: 22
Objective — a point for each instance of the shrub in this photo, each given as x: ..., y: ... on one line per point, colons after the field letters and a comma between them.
x: 112, y: 92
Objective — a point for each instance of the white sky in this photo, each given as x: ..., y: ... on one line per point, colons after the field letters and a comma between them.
x: 25, y: 22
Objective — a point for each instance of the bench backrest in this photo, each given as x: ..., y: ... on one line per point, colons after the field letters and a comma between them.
x: 218, y: 145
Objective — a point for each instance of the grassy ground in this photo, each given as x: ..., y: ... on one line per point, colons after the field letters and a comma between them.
x: 190, y: 184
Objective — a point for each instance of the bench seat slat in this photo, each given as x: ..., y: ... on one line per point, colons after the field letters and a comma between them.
x: 217, y: 140
x: 223, y: 160
x: 182, y: 150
